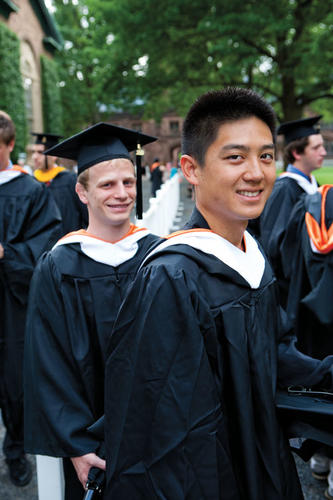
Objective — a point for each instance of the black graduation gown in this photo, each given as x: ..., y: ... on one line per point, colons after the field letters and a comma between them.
x: 191, y: 381
x: 310, y: 274
x: 273, y: 223
x: 29, y: 225
x: 74, y: 213
x: 72, y: 307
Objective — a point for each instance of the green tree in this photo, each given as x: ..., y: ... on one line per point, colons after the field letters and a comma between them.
x: 52, y: 109
x: 78, y: 66
x: 11, y: 86
x: 131, y: 54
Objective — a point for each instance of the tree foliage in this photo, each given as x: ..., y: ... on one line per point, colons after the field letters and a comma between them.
x: 11, y: 86
x: 52, y: 108
x: 164, y: 54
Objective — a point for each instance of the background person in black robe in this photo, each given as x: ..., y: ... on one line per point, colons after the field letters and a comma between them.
x: 198, y: 345
x: 29, y: 224
x: 307, y: 258
x: 60, y: 182
x: 304, y: 152
x: 156, y: 176
x: 75, y: 295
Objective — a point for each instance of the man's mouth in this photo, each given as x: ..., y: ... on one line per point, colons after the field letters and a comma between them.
x: 250, y: 194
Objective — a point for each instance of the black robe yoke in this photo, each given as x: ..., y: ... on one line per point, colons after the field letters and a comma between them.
x: 72, y: 307
x: 191, y: 382
x: 29, y: 225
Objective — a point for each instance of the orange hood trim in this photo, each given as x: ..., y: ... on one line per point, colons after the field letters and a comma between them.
x: 321, y: 237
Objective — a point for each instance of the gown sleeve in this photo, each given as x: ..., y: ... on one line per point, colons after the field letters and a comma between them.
x: 56, y: 409
x: 296, y: 368
x: 162, y: 405
x: 40, y: 232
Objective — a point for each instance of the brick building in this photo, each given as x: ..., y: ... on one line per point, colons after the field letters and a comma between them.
x: 168, y: 132
x: 32, y: 23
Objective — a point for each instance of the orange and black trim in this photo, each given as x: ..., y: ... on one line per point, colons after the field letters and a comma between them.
x: 321, y: 237
x: 18, y: 169
x: 82, y: 232
x: 197, y: 230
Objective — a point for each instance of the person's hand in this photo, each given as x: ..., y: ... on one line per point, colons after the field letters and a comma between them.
x: 2, y: 252
x: 83, y: 464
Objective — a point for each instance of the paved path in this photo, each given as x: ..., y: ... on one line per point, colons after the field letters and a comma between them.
x: 313, y: 489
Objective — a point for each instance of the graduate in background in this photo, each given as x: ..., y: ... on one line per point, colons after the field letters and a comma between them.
x: 60, y: 182
x: 29, y: 225
x: 307, y: 259
x: 198, y: 346
x: 304, y: 152
x: 156, y: 176
x: 75, y: 296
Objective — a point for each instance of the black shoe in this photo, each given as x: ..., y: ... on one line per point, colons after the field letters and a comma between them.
x: 19, y: 471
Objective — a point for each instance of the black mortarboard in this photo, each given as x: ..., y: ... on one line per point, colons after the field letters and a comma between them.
x: 297, y: 129
x: 48, y: 140
x: 102, y: 142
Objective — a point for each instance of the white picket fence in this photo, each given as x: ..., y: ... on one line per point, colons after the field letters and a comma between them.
x: 159, y: 220
x: 162, y: 209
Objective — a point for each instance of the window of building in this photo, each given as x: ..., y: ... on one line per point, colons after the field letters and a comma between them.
x: 174, y: 127
x: 32, y: 89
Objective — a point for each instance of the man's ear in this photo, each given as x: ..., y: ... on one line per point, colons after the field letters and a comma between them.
x: 81, y: 192
x: 190, y: 169
x: 11, y: 145
x: 297, y: 156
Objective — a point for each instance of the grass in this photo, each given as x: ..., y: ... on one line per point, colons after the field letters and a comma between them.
x: 323, y: 175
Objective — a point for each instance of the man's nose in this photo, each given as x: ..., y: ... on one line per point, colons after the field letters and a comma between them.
x: 254, y: 170
x: 120, y: 191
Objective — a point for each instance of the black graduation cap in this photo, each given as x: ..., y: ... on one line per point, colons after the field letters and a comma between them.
x: 297, y: 129
x: 102, y: 142
x: 48, y: 140
x: 305, y: 415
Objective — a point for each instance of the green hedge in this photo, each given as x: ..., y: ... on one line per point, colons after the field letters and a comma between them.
x: 52, y: 109
x: 11, y: 86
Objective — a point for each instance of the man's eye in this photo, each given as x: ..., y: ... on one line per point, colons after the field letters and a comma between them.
x: 267, y: 156
x: 234, y: 157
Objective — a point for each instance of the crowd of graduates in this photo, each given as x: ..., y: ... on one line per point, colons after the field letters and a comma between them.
x: 161, y: 361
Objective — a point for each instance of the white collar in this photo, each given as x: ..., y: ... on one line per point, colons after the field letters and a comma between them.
x: 307, y: 186
x: 250, y: 264
x: 112, y: 254
x: 8, y: 175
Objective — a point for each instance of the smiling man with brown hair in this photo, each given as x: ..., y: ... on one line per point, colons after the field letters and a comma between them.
x: 75, y: 296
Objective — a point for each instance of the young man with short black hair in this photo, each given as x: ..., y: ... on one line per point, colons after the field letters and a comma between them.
x: 198, y: 346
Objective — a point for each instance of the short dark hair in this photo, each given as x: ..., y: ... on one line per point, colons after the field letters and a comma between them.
x: 298, y: 145
x: 217, y: 107
x: 7, y: 128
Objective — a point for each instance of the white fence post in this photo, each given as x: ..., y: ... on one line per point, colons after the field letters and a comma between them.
x: 162, y: 209
x: 50, y: 478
